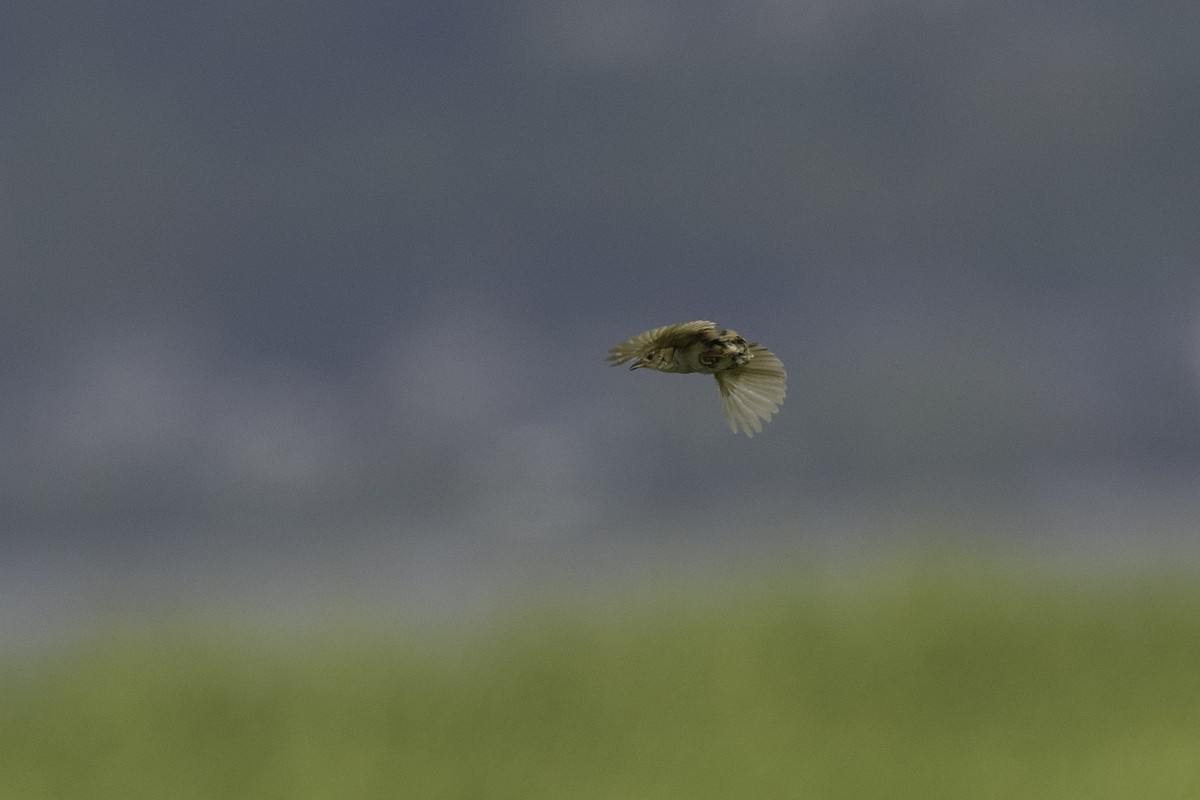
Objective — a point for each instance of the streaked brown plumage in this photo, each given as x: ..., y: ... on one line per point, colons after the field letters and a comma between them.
x: 750, y: 377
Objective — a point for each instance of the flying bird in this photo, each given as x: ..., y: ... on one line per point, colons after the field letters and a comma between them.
x: 749, y: 376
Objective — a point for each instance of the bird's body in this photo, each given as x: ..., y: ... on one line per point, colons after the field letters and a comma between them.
x: 750, y: 377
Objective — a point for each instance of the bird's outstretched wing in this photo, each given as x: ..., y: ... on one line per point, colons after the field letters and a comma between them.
x: 752, y: 392
x: 677, y: 335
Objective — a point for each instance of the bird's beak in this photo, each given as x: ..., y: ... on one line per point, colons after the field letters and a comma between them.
x: 641, y: 362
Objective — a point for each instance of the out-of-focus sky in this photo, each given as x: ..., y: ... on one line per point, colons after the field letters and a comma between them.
x: 332, y: 282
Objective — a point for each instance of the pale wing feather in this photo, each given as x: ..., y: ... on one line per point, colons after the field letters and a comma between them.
x: 753, y: 392
x: 667, y: 336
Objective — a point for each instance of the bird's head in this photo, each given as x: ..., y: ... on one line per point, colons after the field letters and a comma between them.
x: 652, y: 359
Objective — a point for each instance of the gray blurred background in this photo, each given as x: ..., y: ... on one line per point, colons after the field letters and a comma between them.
x: 307, y: 304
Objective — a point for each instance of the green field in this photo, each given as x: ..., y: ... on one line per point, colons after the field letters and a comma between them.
x: 925, y: 683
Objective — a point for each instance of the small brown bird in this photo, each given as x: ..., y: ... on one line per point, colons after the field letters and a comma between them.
x: 749, y: 376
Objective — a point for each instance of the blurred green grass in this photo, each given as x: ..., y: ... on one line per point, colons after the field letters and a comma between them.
x: 946, y: 682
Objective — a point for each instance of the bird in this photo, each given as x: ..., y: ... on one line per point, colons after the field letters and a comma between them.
x: 750, y: 378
